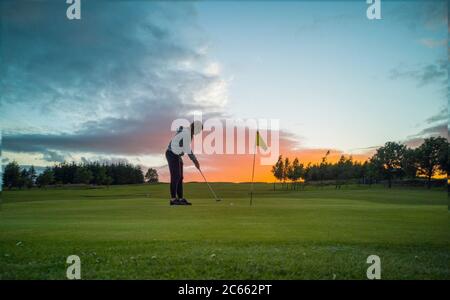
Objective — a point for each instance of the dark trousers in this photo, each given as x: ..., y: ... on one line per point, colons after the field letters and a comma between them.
x: 176, y: 174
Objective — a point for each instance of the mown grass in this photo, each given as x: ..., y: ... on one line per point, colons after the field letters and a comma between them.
x: 130, y: 232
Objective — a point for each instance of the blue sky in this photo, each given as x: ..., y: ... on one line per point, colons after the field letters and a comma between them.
x: 107, y: 87
x: 325, y: 69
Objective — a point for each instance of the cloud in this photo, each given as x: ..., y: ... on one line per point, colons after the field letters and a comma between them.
x: 53, y: 156
x: 431, y: 15
x: 441, y: 116
x: 436, y: 130
x: 321, y: 22
x: 433, y: 43
x: 105, y: 160
x: 424, y: 74
x: 416, y: 140
x: 149, y: 135
x: 436, y: 125
x: 110, y: 83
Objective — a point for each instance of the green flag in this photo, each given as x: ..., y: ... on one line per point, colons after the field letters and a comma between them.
x: 260, y: 142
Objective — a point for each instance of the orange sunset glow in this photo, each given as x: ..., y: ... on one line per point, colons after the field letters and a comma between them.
x: 238, y: 168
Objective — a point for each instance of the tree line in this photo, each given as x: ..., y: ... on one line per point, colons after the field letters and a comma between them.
x: 92, y: 173
x: 393, y: 161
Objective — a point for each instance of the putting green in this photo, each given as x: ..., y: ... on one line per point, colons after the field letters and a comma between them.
x: 131, y: 232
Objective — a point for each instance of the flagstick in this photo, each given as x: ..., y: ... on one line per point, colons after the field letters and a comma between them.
x: 253, y: 171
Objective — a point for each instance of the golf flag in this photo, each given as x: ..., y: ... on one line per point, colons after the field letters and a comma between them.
x: 260, y: 142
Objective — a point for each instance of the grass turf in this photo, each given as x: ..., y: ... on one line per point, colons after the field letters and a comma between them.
x: 130, y: 232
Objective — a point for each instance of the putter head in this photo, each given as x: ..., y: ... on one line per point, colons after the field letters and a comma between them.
x: 218, y: 199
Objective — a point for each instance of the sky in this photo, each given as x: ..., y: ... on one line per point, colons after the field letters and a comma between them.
x: 107, y: 87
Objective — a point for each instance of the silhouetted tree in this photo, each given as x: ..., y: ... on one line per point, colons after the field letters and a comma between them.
x: 11, y: 175
x: 444, y: 155
x: 25, y: 180
x: 323, y: 168
x: 101, y: 177
x: 409, y: 163
x: 83, y: 176
x: 152, y: 176
x: 295, y: 172
x: 277, y: 169
x: 388, y: 160
x: 45, y: 178
x: 429, y: 156
x: 391, y: 161
x: 287, y: 166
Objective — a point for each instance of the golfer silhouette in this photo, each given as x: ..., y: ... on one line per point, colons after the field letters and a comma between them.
x: 178, y: 146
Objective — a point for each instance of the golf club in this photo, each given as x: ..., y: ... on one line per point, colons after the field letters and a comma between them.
x: 210, y: 188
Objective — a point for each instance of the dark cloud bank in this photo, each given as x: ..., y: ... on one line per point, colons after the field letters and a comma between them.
x: 127, y: 69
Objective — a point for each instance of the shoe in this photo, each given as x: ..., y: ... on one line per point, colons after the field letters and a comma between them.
x: 184, y: 202
x: 175, y: 202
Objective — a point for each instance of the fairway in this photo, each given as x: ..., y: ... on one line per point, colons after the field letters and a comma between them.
x: 130, y: 232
